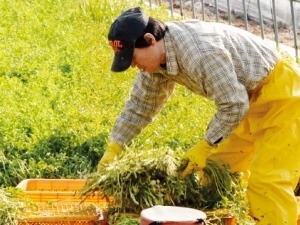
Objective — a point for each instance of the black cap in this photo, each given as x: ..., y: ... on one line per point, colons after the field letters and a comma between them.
x: 123, y: 33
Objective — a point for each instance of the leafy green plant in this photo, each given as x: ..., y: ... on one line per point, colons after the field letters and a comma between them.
x: 10, y: 206
x: 58, y: 99
x: 138, y: 181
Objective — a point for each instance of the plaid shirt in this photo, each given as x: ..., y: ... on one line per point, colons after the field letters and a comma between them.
x: 215, y: 60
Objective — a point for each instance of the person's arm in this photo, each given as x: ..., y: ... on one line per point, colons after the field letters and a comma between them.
x: 221, y: 85
x: 230, y: 95
x: 149, y: 93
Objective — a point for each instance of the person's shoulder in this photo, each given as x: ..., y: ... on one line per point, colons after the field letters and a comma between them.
x: 182, y: 22
x: 196, y: 24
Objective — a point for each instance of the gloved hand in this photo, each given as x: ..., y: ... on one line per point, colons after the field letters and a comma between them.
x: 197, y: 156
x: 111, y: 153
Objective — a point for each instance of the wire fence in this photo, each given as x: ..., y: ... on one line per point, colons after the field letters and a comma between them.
x: 275, y: 20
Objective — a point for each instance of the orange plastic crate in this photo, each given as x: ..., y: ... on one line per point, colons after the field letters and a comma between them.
x: 55, y: 201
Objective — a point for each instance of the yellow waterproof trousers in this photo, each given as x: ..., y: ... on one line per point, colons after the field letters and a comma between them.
x: 266, y: 147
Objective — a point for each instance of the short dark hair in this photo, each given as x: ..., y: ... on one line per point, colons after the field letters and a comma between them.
x: 155, y: 27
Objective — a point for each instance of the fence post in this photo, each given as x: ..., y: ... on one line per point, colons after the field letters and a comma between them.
x: 193, y: 9
x: 229, y: 11
x: 216, y: 11
x: 275, y: 23
x: 294, y: 30
x: 171, y: 8
x: 202, y: 8
x: 245, y: 15
x: 261, y: 22
x: 181, y: 8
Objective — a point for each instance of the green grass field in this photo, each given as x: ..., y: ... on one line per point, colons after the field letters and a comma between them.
x: 59, y: 99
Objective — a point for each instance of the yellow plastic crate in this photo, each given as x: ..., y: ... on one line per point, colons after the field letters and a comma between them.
x: 56, y: 201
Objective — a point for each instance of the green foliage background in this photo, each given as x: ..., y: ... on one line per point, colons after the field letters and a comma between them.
x: 58, y: 98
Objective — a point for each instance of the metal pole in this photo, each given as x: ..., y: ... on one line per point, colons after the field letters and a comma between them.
x: 181, y: 8
x: 193, y: 9
x: 202, y: 8
x: 229, y: 11
x: 216, y: 11
x: 245, y: 15
x: 275, y: 22
x: 294, y: 30
x: 171, y: 8
x: 260, y: 20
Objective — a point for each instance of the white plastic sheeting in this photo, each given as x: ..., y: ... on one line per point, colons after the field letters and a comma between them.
x: 282, y: 9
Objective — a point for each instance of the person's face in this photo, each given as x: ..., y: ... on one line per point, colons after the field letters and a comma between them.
x: 148, y: 59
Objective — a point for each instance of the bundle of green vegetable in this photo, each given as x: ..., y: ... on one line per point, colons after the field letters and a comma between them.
x: 10, y: 205
x: 142, y: 179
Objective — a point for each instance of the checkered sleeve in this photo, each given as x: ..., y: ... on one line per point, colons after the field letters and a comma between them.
x: 149, y: 94
x: 231, y: 97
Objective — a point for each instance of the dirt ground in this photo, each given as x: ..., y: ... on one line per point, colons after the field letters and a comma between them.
x: 285, y: 33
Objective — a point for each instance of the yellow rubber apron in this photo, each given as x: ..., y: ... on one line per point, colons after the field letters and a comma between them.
x: 266, y: 147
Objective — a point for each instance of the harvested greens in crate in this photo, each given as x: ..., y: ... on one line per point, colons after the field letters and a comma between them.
x: 142, y: 179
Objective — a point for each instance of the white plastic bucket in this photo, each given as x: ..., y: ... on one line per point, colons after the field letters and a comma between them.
x: 169, y: 215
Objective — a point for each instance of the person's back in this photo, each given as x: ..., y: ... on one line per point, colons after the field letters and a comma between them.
x: 197, y: 42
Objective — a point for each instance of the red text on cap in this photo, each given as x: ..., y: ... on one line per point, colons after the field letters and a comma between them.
x: 116, y: 45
